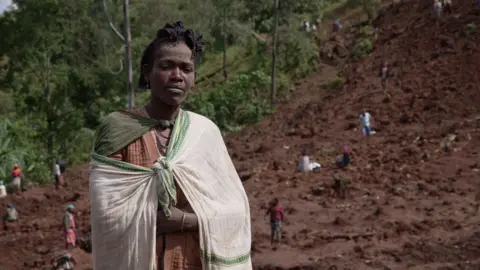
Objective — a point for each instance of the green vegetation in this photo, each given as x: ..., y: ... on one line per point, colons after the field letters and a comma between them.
x: 364, y: 45
x: 62, y: 68
x: 470, y: 29
x: 335, y: 84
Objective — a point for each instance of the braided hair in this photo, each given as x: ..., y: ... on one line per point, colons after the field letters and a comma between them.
x: 169, y: 34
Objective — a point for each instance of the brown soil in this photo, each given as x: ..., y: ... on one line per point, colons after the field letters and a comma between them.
x: 414, y: 197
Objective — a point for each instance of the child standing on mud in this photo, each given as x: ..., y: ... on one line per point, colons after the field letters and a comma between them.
x: 69, y: 227
x: 276, y: 218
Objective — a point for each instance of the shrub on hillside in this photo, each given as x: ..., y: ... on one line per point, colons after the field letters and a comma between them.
x: 469, y: 29
x: 239, y: 102
x: 363, y: 47
x: 335, y: 84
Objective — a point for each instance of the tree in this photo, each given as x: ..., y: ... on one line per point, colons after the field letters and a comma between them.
x: 127, y: 39
x: 56, y: 74
x: 274, y: 55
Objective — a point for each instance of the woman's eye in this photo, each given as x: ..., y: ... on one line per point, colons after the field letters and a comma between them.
x: 164, y: 65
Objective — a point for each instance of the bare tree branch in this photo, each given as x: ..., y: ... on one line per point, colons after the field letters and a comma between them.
x: 108, y: 61
x: 105, y: 9
x: 119, y: 70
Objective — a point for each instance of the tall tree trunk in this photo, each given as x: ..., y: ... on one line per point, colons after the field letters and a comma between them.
x: 224, y: 33
x: 273, y: 90
x: 50, y: 142
x: 128, y: 55
x: 50, y: 117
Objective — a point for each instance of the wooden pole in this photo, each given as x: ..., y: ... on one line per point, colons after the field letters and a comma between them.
x: 273, y: 90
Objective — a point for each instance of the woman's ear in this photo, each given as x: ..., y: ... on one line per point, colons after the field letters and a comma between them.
x: 193, y: 88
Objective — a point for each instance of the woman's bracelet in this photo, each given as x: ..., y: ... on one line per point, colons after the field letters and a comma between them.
x: 183, y: 221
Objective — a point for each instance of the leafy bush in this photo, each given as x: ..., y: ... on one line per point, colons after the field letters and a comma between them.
x: 470, y: 29
x: 297, y: 52
x: 335, y: 84
x: 364, y: 47
x: 16, y: 147
x: 239, y: 102
x: 365, y: 31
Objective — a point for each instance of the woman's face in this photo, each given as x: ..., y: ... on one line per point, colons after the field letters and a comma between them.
x: 172, y: 74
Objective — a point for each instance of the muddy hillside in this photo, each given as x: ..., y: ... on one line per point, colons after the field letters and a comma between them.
x: 413, y: 196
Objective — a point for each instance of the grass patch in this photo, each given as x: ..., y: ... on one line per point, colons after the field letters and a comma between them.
x: 210, y: 72
x: 335, y: 84
x: 469, y: 29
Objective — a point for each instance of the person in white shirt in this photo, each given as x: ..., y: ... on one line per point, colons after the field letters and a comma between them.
x: 3, y: 190
x: 58, y: 175
x: 365, y: 119
x: 437, y: 6
x: 304, y: 165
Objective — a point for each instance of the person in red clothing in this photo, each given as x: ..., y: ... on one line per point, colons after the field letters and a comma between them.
x: 16, y: 174
x: 276, y: 219
x: 346, y: 156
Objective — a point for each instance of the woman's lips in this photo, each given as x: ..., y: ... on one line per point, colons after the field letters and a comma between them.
x: 174, y: 90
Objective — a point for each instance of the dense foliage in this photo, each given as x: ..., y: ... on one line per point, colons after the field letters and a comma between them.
x: 62, y: 70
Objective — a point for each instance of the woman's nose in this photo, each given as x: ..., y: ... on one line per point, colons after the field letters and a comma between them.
x: 176, y: 73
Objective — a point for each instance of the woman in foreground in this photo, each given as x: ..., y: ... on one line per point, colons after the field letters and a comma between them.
x: 164, y: 191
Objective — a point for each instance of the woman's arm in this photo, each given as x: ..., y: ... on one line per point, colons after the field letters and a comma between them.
x: 174, y: 222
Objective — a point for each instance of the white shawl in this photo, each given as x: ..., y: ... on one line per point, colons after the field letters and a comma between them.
x: 124, y: 204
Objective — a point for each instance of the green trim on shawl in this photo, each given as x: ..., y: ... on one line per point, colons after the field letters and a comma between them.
x: 166, y: 190
x: 219, y: 260
x: 120, y: 164
x: 119, y: 129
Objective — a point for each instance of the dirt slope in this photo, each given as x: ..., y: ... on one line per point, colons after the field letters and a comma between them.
x: 31, y: 243
x: 411, y: 205
x: 415, y: 204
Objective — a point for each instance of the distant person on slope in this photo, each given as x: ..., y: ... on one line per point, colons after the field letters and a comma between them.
x: 336, y: 27
x: 365, y: 119
x: 69, y: 227
x: 276, y: 218
x: 63, y: 261
x: 3, y: 190
x: 346, y: 156
x: 437, y: 7
x: 342, y: 161
x: 384, y: 74
x: 63, y: 169
x: 304, y: 164
x: 11, y: 215
x: 58, y: 176
x: 16, y: 174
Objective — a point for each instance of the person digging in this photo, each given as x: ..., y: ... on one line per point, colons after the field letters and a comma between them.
x: 10, y: 217
x: 63, y: 261
x: 340, y: 185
